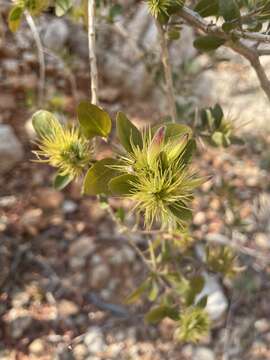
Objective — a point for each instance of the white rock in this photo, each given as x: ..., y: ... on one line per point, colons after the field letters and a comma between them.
x: 94, y: 340
x: 11, y: 150
x: 203, y: 353
x: 56, y: 35
x: 217, y: 302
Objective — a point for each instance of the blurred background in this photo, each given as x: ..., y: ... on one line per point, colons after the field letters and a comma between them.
x: 64, y: 268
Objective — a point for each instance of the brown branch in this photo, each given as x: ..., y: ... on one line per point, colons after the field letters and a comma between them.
x: 167, y: 70
x: 250, y: 53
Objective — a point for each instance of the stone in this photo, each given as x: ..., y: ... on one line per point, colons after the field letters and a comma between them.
x: 82, y: 247
x: 69, y: 206
x: 37, y: 347
x: 199, y: 218
x: 262, y: 240
x: 217, y: 302
x: 49, y: 198
x: 262, y: 325
x: 11, y: 150
x: 20, y: 299
x: 100, y: 275
x: 31, y: 217
x: 94, y: 340
x: 19, y: 322
x: 203, y: 353
x: 80, y: 352
x: 56, y: 34
x: 67, y: 308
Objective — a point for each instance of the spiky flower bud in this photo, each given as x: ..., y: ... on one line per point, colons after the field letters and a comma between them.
x: 161, y: 183
x: 63, y: 147
x: 162, y: 7
x: 194, y: 324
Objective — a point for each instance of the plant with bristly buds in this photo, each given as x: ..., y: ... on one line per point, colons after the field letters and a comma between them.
x: 63, y: 147
x: 152, y: 168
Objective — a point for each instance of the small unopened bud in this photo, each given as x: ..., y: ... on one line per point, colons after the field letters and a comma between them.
x: 178, y: 146
x: 156, y: 144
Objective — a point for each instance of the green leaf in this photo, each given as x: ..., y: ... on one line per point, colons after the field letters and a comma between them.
x: 229, y: 10
x: 218, y: 138
x: 189, y: 151
x: 202, y: 302
x: 196, y: 285
x: 158, y: 313
x: 218, y: 115
x: 173, y: 34
x: 62, y: 6
x: 121, y: 185
x: 98, y: 176
x: 207, y: 8
x: 120, y: 214
x: 136, y: 294
x: 208, y: 43
x: 14, y: 18
x: 154, y: 290
x: 115, y: 10
x: 93, y: 120
x: 60, y: 181
x: 181, y: 211
x: 127, y: 133
x: 42, y: 121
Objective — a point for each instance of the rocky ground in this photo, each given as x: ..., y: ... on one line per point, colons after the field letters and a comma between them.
x: 65, y: 269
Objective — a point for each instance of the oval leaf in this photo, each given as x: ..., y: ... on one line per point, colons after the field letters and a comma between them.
x: 93, y: 120
x: 122, y: 185
x: 229, y: 10
x: 158, y: 313
x: 98, y: 176
x: 60, y: 181
x: 208, y: 43
x: 207, y: 8
x: 14, y: 18
x: 127, y: 133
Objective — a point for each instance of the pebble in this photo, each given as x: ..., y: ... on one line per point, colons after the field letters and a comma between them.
x: 203, y: 353
x: 20, y: 299
x: 11, y: 150
x: 69, y: 206
x: 49, y: 198
x: 82, y: 247
x: 67, y: 308
x: 19, y: 323
x: 199, y: 218
x: 31, y: 217
x: 37, y: 347
x: 262, y: 240
x: 94, y: 340
x: 80, y: 352
x: 217, y: 302
x: 262, y: 325
x: 100, y: 275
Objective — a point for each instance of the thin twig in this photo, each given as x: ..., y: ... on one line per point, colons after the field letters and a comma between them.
x: 167, y: 70
x: 251, y: 54
x: 92, y: 51
x: 41, y: 58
